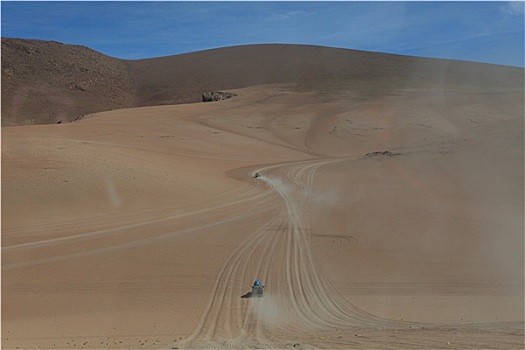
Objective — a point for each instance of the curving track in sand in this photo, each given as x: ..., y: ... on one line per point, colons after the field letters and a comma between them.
x: 298, y: 296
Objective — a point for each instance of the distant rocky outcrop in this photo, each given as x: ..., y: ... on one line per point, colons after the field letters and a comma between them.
x: 216, y: 96
x: 382, y: 154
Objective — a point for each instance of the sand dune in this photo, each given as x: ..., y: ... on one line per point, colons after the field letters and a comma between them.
x: 384, y: 217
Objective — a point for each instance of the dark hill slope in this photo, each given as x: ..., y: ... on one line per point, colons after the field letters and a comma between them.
x: 182, y: 78
x: 48, y: 82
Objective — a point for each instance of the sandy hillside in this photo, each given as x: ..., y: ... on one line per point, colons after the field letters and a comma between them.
x: 384, y: 217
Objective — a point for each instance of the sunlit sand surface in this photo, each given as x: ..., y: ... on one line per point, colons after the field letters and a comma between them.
x: 380, y: 220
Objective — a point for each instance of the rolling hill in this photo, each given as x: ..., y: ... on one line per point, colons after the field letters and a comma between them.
x: 45, y: 82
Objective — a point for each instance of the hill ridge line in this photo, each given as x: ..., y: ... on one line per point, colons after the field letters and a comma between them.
x: 47, y: 82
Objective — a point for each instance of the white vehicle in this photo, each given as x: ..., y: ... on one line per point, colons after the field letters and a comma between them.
x: 257, y: 290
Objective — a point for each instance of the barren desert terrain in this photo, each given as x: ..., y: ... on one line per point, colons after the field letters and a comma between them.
x: 387, y: 214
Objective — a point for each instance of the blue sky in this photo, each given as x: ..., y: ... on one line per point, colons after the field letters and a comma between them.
x: 490, y: 32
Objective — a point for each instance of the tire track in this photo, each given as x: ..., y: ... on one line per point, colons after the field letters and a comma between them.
x: 224, y: 318
x: 155, y: 219
x: 314, y: 301
x: 98, y: 236
x: 283, y: 257
x: 281, y: 254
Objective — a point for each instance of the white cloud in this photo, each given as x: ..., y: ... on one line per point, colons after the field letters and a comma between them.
x: 513, y: 8
x: 285, y: 16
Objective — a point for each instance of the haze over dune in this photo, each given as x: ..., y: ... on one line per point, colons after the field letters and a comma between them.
x: 388, y: 213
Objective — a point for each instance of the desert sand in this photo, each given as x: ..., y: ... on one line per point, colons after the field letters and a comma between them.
x: 390, y: 219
